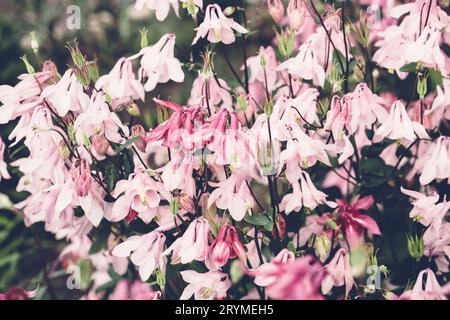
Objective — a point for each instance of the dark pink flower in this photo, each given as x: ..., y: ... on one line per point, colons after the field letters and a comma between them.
x: 298, y: 280
x: 226, y: 246
x: 353, y: 223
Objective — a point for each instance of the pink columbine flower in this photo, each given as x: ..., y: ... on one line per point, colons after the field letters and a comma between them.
x: 436, y: 242
x: 228, y: 142
x: 338, y: 273
x: 158, y: 63
x: 304, y: 194
x: 66, y: 95
x: 426, y: 209
x: 218, y: 92
x: 4, y: 174
x: 352, y: 222
x: 121, y: 84
x: 192, y: 245
x: 437, y: 162
x: 141, y: 193
x: 145, y: 252
x: 217, y: 26
x: 298, y: 280
x: 302, y: 151
x: 98, y: 120
x: 442, y: 100
x: 399, y: 126
x: 24, y: 97
x: 179, y: 128
x: 232, y: 194
x: 305, y: 65
x: 161, y: 7
x: 205, y: 286
x: 432, y: 289
x: 284, y: 256
x: 136, y: 290
x: 81, y: 176
x: 17, y: 293
x: 426, y: 49
x: 355, y: 111
x: 276, y: 10
x: 257, y: 69
x: 226, y: 246
x: 138, y: 131
x: 305, y: 104
x: 296, y: 12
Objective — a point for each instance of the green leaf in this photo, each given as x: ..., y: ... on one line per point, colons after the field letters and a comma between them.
x: 257, y: 220
x: 436, y: 77
x: 127, y: 144
x: 269, y: 226
x: 374, y: 166
x: 410, y: 67
x: 100, y: 242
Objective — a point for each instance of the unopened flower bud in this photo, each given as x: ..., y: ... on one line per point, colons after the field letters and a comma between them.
x: 82, y: 74
x: 30, y: 68
x: 296, y: 11
x: 322, y: 245
x: 160, y: 279
x: 266, y: 159
x: 229, y: 10
x: 268, y: 107
x: 100, y: 144
x: 191, y: 8
x: 276, y: 10
x: 280, y: 225
x: 138, y: 131
x: 422, y: 87
x: 77, y: 57
x: 162, y: 114
x: 50, y: 66
x: 131, y: 216
x: 208, y: 65
x: 144, y: 38
x: 34, y: 43
x: 186, y: 202
x: 174, y: 206
x: 133, y: 109
x: 63, y: 150
x: 93, y: 70
x: 415, y: 246
x: 81, y: 176
x: 286, y: 43
x: 241, y: 102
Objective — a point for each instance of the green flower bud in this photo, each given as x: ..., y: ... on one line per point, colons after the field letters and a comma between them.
x: 174, y: 206
x: 30, y: 68
x: 144, y: 39
x: 133, y: 110
x: 322, y: 245
x: 191, y: 7
x: 422, y: 87
x: 415, y: 246
x: 160, y: 279
x: 77, y: 57
x: 286, y: 43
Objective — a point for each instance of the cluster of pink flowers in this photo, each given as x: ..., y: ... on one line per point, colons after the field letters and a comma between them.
x: 270, y: 185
